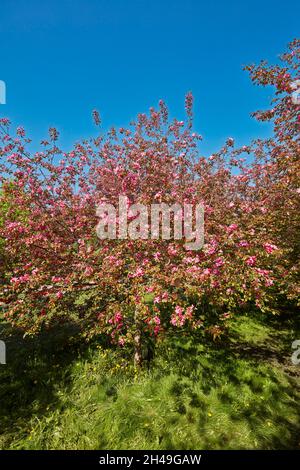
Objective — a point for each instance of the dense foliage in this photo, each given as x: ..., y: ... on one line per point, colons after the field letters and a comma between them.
x: 57, y: 269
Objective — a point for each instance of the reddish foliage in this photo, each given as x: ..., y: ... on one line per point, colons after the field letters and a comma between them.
x: 59, y: 269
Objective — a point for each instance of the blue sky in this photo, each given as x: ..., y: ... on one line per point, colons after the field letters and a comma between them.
x: 60, y: 59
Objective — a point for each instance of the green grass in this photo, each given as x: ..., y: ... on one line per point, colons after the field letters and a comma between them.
x: 243, y: 393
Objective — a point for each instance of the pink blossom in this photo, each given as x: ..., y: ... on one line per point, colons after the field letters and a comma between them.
x: 178, y: 310
x: 149, y: 289
x: 172, y: 251
x: 231, y: 228
x: 116, y: 320
x: 20, y: 280
x: 189, y: 311
x: 225, y: 316
x: 251, y: 261
x: 244, y: 243
x: 156, y: 330
x: 215, y: 284
x: 263, y: 272
x: 219, y: 262
x: 270, y: 248
x: 138, y: 273
x: 88, y: 271
x: 118, y: 317
x: 211, y: 248
x: 207, y: 272
x: 190, y: 259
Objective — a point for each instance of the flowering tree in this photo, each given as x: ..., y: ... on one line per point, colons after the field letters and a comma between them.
x: 276, y: 171
x: 135, y: 290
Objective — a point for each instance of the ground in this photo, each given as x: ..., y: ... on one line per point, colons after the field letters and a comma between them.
x: 241, y: 393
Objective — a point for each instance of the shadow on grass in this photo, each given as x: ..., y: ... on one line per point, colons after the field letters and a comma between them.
x: 249, y: 384
x: 238, y: 372
x: 37, y: 370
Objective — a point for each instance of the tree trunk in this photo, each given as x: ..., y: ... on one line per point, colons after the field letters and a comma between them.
x: 138, y: 357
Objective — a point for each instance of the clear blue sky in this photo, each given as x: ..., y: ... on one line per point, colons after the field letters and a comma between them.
x: 62, y: 58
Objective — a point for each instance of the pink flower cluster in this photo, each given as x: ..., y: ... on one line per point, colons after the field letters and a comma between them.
x: 251, y: 261
x: 116, y: 320
x: 179, y: 317
x: 270, y: 248
x: 20, y: 280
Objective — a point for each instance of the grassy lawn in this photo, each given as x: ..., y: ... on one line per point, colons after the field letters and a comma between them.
x: 241, y: 394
